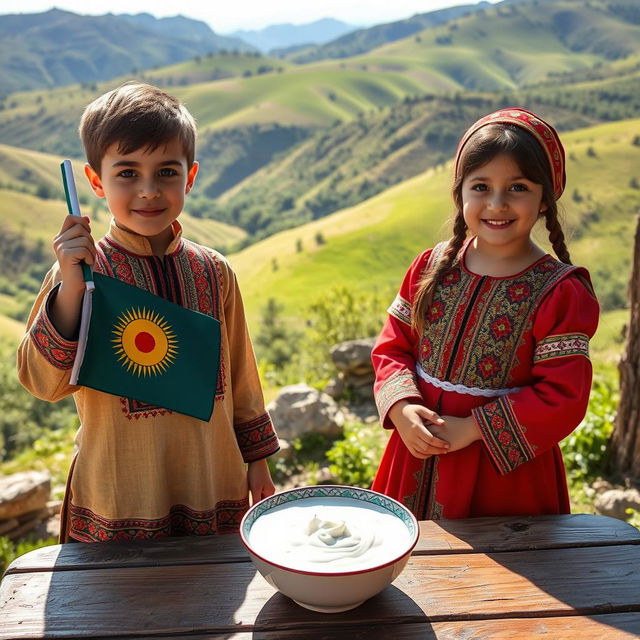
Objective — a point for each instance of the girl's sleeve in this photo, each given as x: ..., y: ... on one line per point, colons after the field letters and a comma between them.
x: 251, y: 422
x: 45, y: 357
x: 394, y: 356
x: 523, y: 424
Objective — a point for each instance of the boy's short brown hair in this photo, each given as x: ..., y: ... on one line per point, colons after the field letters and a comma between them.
x: 136, y: 116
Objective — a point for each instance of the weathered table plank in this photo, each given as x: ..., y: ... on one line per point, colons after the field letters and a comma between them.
x: 232, y: 598
x: 619, y: 626
x: 485, y: 535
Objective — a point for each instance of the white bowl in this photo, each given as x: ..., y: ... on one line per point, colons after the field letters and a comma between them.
x: 328, y: 588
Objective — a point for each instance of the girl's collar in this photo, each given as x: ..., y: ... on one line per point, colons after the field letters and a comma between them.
x: 461, y: 261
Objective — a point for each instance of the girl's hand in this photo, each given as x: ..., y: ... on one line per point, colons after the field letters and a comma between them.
x: 260, y: 484
x: 74, y: 245
x: 415, y: 425
x: 460, y: 432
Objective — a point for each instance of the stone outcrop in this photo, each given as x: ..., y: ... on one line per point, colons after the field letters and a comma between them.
x: 300, y: 409
x: 26, y: 507
x: 355, y: 378
x: 615, y: 502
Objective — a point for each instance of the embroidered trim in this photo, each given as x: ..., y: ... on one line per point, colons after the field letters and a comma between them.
x: 503, y: 435
x: 57, y: 351
x: 399, y: 386
x: 422, y: 503
x: 479, y: 346
x: 400, y: 309
x: 460, y: 388
x: 181, y: 520
x: 134, y: 409
x: 570, y: 344
x: 256, y: 438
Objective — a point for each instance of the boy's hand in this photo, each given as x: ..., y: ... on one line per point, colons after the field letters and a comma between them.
x: 459, y: 432
x: 415, y: 425
x: 72, y: 246
x: 260, y: 484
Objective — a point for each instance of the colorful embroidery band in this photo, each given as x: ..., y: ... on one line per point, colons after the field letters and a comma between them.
x: 570, y: 344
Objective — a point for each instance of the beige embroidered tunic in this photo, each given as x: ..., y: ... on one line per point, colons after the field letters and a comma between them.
x: 141, y: 471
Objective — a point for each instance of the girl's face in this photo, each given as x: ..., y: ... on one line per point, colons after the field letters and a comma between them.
x: 500, y: 206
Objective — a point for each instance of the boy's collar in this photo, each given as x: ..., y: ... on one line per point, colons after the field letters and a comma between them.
x: 140, y: 244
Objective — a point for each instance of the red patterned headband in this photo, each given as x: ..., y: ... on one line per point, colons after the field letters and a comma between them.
x: 542, y: 131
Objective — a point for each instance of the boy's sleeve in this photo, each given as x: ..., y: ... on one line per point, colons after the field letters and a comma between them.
x: 252, y: 424
x: 45, y: 357
x: 523, y: 424
x: 393, y: 356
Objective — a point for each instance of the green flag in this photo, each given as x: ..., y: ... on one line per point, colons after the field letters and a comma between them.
x: 135, y: 344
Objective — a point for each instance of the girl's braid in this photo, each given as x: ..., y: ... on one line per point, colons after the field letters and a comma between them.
x: 427, y: 286
x: 556, y: 236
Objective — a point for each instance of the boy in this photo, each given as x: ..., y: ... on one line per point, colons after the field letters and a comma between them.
x: 141, y: 471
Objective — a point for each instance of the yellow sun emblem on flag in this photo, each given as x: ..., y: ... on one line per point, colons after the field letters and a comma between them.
x: 144, y: 342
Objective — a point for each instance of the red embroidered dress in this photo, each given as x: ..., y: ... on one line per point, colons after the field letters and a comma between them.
x: 140, y: 471
x: 513, y: 352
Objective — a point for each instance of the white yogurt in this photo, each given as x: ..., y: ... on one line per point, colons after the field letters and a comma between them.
x: 329, y: 535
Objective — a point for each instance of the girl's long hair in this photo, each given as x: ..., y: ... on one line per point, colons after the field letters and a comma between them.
x: 481, y: 148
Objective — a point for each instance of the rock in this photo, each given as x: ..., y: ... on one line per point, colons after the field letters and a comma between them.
x: 615, y: 502
x: 353, y: 356
x: 361, y: 381
x: 8, y: 525
x: 23, y: 492
x: 299, y: 409
x: 600, y: 485
x: 335, y: 387
x: 49, y: 528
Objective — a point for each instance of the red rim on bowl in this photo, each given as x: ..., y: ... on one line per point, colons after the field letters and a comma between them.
x: 280, y: 499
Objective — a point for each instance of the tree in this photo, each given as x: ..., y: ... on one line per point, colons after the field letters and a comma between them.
x: 274, y: 341
x: 625, y: 443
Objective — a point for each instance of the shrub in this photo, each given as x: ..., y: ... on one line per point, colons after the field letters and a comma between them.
x: 355, y: 458
x: 586, y: 450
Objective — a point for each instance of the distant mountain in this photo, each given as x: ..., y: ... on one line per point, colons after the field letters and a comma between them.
x: 59, y: 47
x: 283, y: 36
x: 186, y: 29
x: 364, y: 40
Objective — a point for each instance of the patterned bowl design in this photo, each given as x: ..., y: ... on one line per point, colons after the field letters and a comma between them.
x: 330, y: 592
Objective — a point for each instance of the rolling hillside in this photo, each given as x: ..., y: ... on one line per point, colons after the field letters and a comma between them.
x: 369, y: 246
x: 59, y: 47
x: 495, y: 49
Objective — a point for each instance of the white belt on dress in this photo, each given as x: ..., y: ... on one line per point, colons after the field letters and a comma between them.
x: 461, y: 388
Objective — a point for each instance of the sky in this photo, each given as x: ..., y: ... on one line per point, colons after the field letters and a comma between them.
x: 226, y: 16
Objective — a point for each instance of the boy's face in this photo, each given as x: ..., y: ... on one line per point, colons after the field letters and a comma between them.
x: 145, y: 190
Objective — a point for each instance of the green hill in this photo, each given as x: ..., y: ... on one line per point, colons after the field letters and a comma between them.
x: 495, y: 49
x: 347, y: 163
x: 364, y: 40
x: 60, y: 48
x: 369, y: 246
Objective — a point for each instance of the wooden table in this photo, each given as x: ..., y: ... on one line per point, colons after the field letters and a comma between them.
x: 555, y: 577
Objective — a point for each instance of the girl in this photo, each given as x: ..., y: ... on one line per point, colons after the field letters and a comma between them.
x: 482, y: 366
